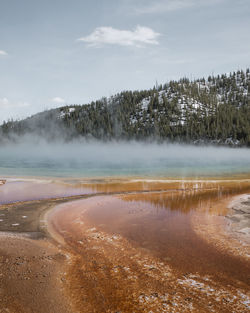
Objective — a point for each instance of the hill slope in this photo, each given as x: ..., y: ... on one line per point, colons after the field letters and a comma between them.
x: 214, y: 110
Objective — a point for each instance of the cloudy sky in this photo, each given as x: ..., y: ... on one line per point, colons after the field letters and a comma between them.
x: 55, y: 52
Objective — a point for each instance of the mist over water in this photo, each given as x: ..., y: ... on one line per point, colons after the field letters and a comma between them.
x: 89, y: 159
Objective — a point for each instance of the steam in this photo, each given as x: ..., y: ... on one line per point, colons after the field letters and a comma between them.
x: 36, y: 157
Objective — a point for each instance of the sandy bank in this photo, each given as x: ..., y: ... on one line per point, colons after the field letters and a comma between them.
x: 32, y: 266
x: 32, y: 276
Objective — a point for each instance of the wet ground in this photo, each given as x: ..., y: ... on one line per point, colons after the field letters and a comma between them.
x: 16, y: 190
x: 130, y: 246
x: 144, y: 245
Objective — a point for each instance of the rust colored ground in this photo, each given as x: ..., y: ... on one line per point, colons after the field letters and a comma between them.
x: 140, y: 252
x: 145, y: 246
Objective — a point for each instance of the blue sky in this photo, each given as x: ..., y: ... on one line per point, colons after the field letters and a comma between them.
x: 64, y: 52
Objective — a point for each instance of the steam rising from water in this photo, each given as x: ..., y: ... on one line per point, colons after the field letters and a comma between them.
x: 85, y: 158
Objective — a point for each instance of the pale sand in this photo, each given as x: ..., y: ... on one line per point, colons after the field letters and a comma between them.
x: 240, y: 216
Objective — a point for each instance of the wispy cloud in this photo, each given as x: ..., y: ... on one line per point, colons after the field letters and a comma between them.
x: 163, y: 6
x: 6, y: 103
x: 58, y: 100
x: 12, y: 109
x: 2, y: 52
x: 138, y: 37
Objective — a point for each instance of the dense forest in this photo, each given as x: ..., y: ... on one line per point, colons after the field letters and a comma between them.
x: 213, y: 110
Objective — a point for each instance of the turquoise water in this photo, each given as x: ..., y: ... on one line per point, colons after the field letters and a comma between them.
x: 164, y: 168
x: 90, y: 160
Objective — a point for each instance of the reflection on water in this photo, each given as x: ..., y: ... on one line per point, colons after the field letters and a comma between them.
x: 185, y: 188
x: 160, y: 223
x: 20, y: 190
x: 189, y: 190
x: 191, y: 195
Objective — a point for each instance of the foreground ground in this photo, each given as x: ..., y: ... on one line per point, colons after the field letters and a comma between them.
x: 132, y: 252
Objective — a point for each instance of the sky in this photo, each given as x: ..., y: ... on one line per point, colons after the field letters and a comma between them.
x: 62, y: 52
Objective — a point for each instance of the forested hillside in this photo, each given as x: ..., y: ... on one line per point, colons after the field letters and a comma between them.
x: 214, y: 110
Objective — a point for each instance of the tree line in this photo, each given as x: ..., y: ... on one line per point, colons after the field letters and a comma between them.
x: 214, y: 110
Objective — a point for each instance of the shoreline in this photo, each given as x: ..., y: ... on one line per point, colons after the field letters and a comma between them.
x: 125, y: 178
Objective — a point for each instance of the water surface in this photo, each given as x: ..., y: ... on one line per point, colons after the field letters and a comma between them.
x: 121, y: 159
